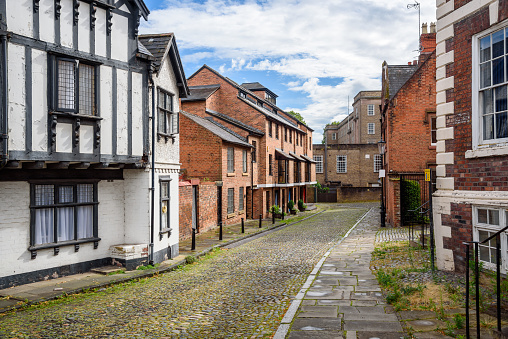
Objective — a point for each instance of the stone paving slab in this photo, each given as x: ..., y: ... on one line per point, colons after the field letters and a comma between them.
x: 318, y: 312
x: 302, y: 324
x: 372, y: 326
x: 378, y: 335
x: 314, y: 335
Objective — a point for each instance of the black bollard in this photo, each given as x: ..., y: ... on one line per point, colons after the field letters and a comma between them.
x: 243, y: 227
x: 260, y: 216
x: 282, y: 214
x: 220, y: 230
x: 193, y: 246
x: 273, y: 218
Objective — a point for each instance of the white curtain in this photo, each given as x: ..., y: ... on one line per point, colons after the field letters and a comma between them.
x: 85, y: 222
x: 43, y: 226
x: 65, y: 224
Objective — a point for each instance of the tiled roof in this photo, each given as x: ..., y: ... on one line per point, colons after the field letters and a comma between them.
x: 221, y: 131
x: 398, y: 75
x: 199, y: 93
x: 156, y: 44
x: 280, y: 153
x: 235, y: 122
x: 253, y: 85
x: 143, y: 50
x: 218, y: 124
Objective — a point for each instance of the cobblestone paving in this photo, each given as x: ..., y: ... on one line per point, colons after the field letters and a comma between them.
x: 395, y: 234
x: 242, y: 292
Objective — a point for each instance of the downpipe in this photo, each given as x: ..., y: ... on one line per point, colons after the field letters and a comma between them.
x: 4, y: 136
x: 152, y: 169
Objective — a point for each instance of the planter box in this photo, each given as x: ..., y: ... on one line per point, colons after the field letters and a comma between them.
x: 293, y: 212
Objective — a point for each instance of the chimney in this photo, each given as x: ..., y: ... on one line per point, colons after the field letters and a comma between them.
x: 409, y: 63
x: 415, y: 62
x: 432, y: 27
x: 424, y: 28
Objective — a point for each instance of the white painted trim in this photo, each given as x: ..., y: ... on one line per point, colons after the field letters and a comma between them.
x: 285, y: 185
x: 487, y: 152
x: 494, y: 12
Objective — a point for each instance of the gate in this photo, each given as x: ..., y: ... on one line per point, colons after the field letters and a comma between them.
x: 414, y: 198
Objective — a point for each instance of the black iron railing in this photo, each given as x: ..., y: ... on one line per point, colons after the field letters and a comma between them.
x: 477, y: 280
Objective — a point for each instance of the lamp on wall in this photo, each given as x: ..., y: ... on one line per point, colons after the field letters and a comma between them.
x: 382, y: 149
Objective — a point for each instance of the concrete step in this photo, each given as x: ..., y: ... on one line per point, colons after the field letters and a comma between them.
x: 105, y: 270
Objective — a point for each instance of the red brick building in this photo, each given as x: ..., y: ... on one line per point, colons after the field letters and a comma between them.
x: 281, y: 166
x: 471, y: 202
x: 408, y: 113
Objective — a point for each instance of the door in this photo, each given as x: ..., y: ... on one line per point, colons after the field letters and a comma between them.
x: 219, y: 204
x: 195, y: 208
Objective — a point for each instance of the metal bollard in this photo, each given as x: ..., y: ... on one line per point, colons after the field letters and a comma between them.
x: 243, y: 227
x: 273, y: 218
x: 220, y: 230
x: 260, y: 216
x: 193, y: 246
x: 282, y: 214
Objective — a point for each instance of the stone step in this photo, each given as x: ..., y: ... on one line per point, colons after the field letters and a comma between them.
x: 105, y: 270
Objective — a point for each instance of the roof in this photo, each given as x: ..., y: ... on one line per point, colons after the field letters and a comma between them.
x: 398, y: 75
x: 160, y: 46
x: 143, y: 50
x: 281, y: 154
x: 256, y: 86
x: 219, y: 130
x: 235, y: 122
x: 308, y: 159
x: 296, y: 156
x: 199, y: 93
x: 143, y: 10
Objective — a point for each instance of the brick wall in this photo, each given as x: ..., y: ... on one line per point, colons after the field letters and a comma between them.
x: 461, y: 231
x: 206, y: 208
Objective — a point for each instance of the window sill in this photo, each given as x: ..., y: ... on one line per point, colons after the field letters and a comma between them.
x: 231, y: 174
x: 166, y: 136
x: 245, y: 174
x: 56, y: 246
x: 231, y: 215
x: 75, y: 115
x: 241, y: 212
x: 164, y: 231
x: 487, y: 152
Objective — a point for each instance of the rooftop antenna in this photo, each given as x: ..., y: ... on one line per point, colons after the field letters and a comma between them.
x: 416, y: 5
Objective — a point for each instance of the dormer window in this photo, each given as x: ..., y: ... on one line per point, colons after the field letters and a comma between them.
x: 242, y: 95
x: 167, y: 118
x: 260, y: 103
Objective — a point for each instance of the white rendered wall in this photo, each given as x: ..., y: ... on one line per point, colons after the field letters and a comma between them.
x: 66, y: 23
x: 17, y: 103
x: 137, y: 206
x: 122, y: 112
x: 106, y: 110
x: 84, y: 27
x: 39, y: 101
x: 100, y: 32
x: 120, y: 38
x: 47, y: 21
x: 64, y: 135
x: 86, y: 139
x: 137, y: 114
x: 20, y: 17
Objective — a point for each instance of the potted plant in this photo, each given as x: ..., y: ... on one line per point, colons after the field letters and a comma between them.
x: 301, y: 205
x: 275, y: 210
x: 291, y: 206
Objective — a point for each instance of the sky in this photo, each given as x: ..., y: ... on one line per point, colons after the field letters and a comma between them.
x: 313, y: 54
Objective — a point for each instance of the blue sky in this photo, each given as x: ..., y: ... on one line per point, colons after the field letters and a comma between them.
x: 312, y: 54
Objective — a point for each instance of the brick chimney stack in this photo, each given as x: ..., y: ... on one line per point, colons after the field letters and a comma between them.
x: 427, y: 40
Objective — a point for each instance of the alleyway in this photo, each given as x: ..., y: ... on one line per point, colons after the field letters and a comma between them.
x: 240, y: 292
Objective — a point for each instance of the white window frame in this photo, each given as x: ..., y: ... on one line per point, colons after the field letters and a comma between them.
x: 478, y: 144
x: 433, y: 118
x: 477, y: 227
x: 371, y: 128
x: 341, y: 163
x: 334, y: 136
x: 319, y: 163
x: 377, y: 162
x: 231, y: 160
x: 370, y: 109
x: 244, y: 161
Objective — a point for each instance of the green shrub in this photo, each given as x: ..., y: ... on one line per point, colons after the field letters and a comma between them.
x: 410, y: 190
x: 321, y: 189
x: 190, y: 259
x: 275, y: 209
x: 301, y: 205
x: 291, y: 205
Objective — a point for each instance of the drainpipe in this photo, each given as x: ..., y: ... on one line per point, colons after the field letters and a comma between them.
x: 152, y: 169
x: 252, y: 184
x: 4, y: 136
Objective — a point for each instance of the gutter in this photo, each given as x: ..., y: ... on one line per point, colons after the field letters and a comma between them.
x: 4, y: 136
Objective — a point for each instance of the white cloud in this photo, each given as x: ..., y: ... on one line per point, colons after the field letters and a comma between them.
x: 306, y: 39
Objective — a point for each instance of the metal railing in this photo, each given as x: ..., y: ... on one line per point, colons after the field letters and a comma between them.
x: 477, y: 281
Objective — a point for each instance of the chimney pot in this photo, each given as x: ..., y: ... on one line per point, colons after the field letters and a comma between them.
x: 415, y: 62
x: 409, y: 63
x: 432, y: 27
x: 424, y: 28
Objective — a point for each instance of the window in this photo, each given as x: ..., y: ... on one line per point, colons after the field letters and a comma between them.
x: 377, y: 162
x: 254, y: 150
x: 270, y: 129
x: 285, y: 134
x: 231, y: 200
x: 244, y: 161
x: 290, y: 136
x: 231, y: 160
x: 242, y: 95
x: 260, y: 103
x: 433, y: 131
x: 164, y: 197
x: 341, y: 164
x: 310, y: 142
x: 489, y: 63
x: 319, y: 163
x: 301, y: 140
x: 371, y: 128
x: 488, y: 221
x: 240, y: 199
x: 168, y: 120
x: 334, y: 136
x: 268, y: 201
x: 277, y: 131
x: 76, y: 91
x: 370, y: 109
x: 296, y: 138
x: 270, y: 164
x: 63, y: 212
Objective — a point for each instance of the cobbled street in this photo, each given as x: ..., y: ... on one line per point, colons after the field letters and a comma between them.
x: 239, y: 292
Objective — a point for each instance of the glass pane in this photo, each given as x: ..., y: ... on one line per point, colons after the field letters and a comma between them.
x: 482, y: 235
x: 44, y: 226
x: 501, y: 126
x: 493, y: 217
x: 500, y: 98
x: 161, y: 100
x: 164, y: 190
x: 497, y: 44
x: 174, y: 123
x: 65, y: 194
x: 486, y: 99
x: 86, y: 89
x: 493, y: 258
x: 482, y: 217
x: 164, y: 215
x: 485, y: 75
x: 65, y: 227
x: 498, y: 71
x: 66, y: 78
x: 488, y: 127
x: 485, y: 49
x: 44, y: 195
x: 484, y: 254
x: 85, y: 193
x: 161, y: 122
x: 85, y: 221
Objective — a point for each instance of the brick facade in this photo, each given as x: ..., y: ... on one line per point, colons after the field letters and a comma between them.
x: 206, y: 207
